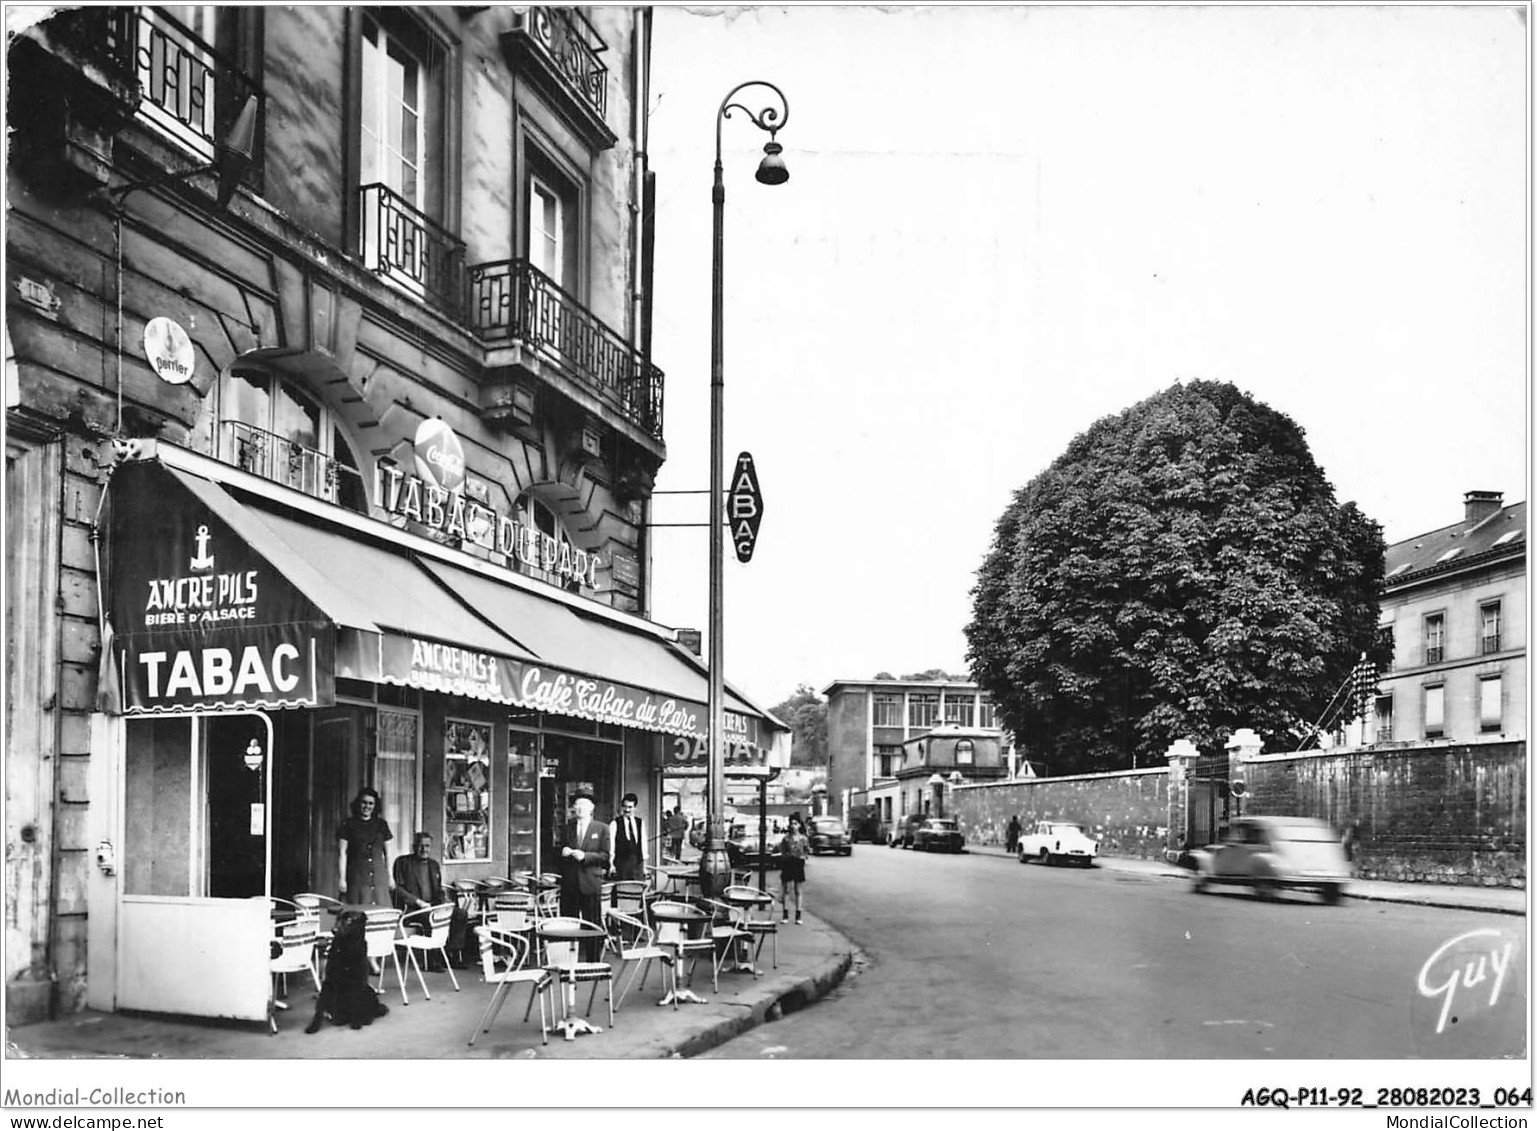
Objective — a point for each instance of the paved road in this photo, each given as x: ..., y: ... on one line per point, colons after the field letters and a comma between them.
x: 979, y: 956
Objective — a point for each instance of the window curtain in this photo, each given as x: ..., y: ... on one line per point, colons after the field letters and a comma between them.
x: 395, y: 774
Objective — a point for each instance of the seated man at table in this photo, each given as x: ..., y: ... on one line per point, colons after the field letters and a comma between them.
x: 585, y: 854
x: 419, y: 884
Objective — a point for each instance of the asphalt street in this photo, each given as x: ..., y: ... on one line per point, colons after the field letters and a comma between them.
x: 977, y: 956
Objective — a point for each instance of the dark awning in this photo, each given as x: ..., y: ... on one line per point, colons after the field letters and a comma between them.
x: 224, y: 599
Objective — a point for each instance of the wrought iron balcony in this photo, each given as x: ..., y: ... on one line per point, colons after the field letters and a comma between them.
x: 512, y: 300
x: 293, y: 464
x: 179, y: 83
x: 401, y: 244
x: 558, y: 49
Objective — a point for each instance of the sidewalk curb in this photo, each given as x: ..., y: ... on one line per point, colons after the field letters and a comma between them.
x: 797, y: 994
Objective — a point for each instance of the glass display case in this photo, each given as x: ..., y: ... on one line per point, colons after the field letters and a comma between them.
x: 466, y: 790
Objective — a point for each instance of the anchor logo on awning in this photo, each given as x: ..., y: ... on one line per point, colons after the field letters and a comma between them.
x: 204, y: 559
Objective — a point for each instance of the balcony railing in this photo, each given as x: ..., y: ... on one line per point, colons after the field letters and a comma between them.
x: 512, y: 300
x: 186, y: 88
x: 292, y: 464
x: 571, y: 46
x: 401, y: 244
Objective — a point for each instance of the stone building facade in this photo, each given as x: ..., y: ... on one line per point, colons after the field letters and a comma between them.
x: 360, y: 299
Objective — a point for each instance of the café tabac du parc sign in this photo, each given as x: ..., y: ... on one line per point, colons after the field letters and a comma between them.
x: 453, y: 670
x: 435, y: 498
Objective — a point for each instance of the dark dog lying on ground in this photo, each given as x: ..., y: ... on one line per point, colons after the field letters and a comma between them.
x: 345, y: 995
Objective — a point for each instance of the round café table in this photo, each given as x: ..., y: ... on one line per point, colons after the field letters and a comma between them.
x: 746, y: 897
x: 689, y: 919
x: 566, y: 931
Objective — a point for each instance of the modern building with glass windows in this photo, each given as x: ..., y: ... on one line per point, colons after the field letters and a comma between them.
x: 1454, y: 608
x: 868, y: 721
x: 331, y: 432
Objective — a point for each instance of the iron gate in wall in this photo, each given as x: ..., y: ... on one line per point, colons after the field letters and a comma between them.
x: 1207, y: 800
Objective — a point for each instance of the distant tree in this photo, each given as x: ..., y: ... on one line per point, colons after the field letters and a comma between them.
x: 934, y: 675
x: 884, y: 675
x: 1182, y: 570
x: 805, y: 713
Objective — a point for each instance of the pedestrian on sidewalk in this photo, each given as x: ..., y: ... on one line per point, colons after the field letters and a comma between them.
x: 1012, y: 834
x: 793, y: 851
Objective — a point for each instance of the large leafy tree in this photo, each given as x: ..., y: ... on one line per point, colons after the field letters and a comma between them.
x: 1181, y: 571
x: 805, y: 713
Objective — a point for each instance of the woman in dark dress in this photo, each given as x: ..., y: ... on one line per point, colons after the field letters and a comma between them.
x: 365, y: 863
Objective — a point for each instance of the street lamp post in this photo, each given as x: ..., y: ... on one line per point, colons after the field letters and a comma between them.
x: 714, y: 864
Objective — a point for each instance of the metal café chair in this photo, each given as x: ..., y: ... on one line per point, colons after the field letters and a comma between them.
x: 562, y: 958
x: 438, y: 920
x: 380, y: 931
x: 684, y: 940
x: 759, y: 919
x: 504, y: 964
x: 293, y: 952
x: 636, y: 945
x: 727, y: 932
x: 321, y: 905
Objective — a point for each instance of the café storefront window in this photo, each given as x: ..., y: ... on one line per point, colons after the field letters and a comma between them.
x: 466, y: 790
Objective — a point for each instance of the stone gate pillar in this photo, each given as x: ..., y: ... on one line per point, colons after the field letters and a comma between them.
x: 1181, y: 755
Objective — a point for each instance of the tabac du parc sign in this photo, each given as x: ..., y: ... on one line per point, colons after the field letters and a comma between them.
x: 201, y: 619
x: 435, y: 498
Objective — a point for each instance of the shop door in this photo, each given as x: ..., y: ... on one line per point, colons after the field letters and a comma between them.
x: 194, y: 920
x: 341, y: 737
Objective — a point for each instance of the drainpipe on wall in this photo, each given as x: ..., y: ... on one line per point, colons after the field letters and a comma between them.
x: 640, y: 93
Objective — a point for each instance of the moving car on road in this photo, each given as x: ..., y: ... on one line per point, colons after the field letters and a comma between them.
x: 1270, y: 854
x: 1051, y: 842
x: 827, y: 834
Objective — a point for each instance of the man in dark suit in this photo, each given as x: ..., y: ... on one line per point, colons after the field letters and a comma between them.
x: 584, y: 861
x: 629, y: 841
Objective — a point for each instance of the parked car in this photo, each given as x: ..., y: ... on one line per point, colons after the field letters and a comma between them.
x: 827, y: 834
x: 1271, y: 854
x: 938, y: 834
x: 742, y: 846
x: 1054, y: 841
x: 902, y: 835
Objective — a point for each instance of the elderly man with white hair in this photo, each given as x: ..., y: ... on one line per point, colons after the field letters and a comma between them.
x: 584, y: 859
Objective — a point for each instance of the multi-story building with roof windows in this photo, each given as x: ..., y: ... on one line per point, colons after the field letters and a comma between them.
x: 331, y: 430
x: 1454, y: 606
x: 868, y: 721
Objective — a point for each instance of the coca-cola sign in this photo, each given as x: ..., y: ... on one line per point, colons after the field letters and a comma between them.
x: 439, y: 456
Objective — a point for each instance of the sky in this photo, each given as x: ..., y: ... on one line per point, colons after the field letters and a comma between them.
x: 1005, y: 223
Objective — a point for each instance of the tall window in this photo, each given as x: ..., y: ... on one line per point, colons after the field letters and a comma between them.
x: 1489, y: 627
x: 392, y: 112
x: 888, y: 761
x: 922, y: 710
x: 402, y: 126
x: 554, y: 220
x: 959, y: 710
x: 272, y: 427
x: 1435, y: 638
x: 1490, y: 714
x: 546, y: 229
x: 1384, y: 718
x: 1435, y: 711
x: 1386, y: 642
x: 987, y: 714
x: 886, y: 711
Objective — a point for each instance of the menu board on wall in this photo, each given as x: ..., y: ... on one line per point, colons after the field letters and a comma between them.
x: 466, y: 790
